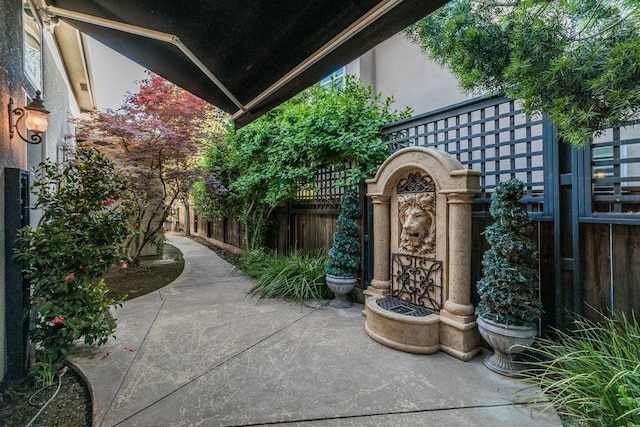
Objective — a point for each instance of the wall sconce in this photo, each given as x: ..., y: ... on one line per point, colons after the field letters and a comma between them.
x: 36, y: 119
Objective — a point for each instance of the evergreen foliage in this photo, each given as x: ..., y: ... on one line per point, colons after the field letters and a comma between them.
x: 575, y: 60
x: 508, y: 289
x: 264, y: 164
x: 590, y: 375
x: 344, y: 255
x: 82, y: 233
x: 297, y: 277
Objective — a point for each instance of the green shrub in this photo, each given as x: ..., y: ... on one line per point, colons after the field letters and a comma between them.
x: 266, y: 163
x: 592, y: 375
x: 254, y: 262
x: 84, y: 224
x: 344, y: 255
x: 297, y: 277
x: 508, y: 288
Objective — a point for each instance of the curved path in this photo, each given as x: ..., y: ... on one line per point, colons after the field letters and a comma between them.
x: 200, y: 352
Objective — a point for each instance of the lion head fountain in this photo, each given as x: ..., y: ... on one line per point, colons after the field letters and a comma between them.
x: 416, y: 213
x: 419, y: 298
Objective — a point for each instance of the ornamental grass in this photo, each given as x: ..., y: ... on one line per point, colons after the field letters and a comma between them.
x: 297, y: 277
x: 591, y: 375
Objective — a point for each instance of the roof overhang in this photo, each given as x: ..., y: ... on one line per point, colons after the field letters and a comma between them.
x: 72, y: 46
x: 244, y: 57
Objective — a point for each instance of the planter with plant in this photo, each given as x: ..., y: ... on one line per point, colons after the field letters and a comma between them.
x: 509, y: 305
x: 344, y: 255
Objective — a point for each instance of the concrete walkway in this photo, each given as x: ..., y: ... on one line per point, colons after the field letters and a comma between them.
x: 200, y: 352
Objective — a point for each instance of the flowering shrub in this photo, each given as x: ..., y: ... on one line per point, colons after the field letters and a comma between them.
x: 84, y: 223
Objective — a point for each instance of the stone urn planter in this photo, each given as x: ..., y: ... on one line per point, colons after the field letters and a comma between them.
x: 340, y: 286
x: 506, y: 341
x: 508, y: 289
x: 344, y: 256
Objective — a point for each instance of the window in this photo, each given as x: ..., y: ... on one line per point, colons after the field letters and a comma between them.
x: 601, y: 158
x: 335, y: 78
x: 615, y: 171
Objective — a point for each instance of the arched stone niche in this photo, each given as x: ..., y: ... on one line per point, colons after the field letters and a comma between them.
x: 445, y: 190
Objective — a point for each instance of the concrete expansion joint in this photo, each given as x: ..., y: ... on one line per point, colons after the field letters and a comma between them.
x: 135, y: 356
x: 201, y: 374
x: 265, y: 375
x: 375, y: 414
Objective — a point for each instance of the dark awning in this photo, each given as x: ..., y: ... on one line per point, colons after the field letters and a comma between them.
x: 243, y: 56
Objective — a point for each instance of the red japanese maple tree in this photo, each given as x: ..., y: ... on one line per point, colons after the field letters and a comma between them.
x: 156, y: 136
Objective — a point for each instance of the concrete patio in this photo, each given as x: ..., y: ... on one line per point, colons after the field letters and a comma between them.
x: 200, y: 352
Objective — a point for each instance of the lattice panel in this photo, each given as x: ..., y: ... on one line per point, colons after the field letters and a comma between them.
x: 494, y: 137
x: 615, y: 171
x: 324, y: 192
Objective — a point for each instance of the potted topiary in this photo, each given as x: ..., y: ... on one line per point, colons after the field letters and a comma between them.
x: 344, y: 255
x: 509, y: 305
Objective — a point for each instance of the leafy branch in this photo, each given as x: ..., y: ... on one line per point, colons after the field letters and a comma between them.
x: 264, y: 164
x: 574, y: 60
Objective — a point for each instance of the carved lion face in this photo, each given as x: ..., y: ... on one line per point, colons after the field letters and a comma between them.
x: 416, y: 213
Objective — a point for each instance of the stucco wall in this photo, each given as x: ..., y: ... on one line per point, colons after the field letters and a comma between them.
x: 59, y: 100
x: 398, y: 68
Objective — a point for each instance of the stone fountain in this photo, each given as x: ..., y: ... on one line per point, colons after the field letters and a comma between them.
x: 419, y: 298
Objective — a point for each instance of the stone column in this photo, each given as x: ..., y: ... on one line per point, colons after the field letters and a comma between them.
x: 380, y: 284
x: 381, y: 242
x: 459, y: 298
x: 458, y: 330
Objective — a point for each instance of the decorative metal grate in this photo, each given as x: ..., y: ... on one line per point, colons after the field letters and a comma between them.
x: 402, y: 307
x: 416, y: 183
x: 417, y: 280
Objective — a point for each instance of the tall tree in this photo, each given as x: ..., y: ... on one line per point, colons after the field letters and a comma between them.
x: 154, y: 136
x: 576, y: 60
x: 265, y: 163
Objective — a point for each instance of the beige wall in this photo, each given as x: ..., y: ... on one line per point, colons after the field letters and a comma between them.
x: 398, y: 68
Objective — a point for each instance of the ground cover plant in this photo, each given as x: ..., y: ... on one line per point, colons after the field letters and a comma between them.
x: 591, y: 375
x: 147, y: 276
x: 297, y: 277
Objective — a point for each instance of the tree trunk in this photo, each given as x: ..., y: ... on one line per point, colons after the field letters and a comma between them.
x: 187, y: 220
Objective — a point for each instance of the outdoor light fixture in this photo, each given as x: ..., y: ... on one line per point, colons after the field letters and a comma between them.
x: 36, y: 119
